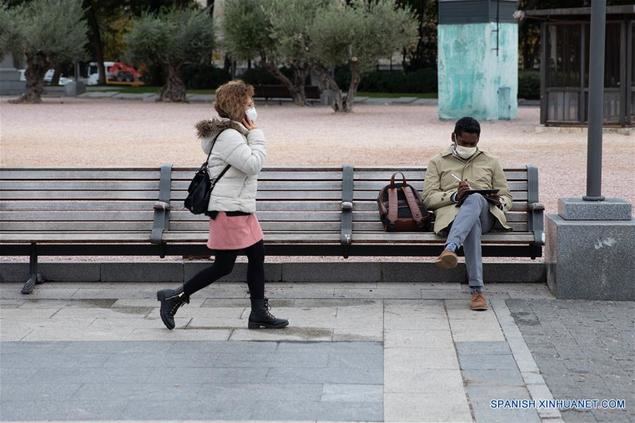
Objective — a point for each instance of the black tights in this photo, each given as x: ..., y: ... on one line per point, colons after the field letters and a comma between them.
x: 224, y: 264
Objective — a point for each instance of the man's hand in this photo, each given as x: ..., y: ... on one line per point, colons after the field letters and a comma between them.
x: 463, y: 188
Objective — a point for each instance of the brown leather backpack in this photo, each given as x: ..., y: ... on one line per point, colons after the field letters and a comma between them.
x: 401, y: 208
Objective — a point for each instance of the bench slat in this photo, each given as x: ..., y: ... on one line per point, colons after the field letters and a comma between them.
x: 77, y: 205
x: 54, y: 185
x: 326, y: 173
x: 181, y: 186
x: 79, y: 195
x: 179, y: 196
x: 77, y: 215
x: 84, y: 174
x: 321, y: 195
x: 38, y: 226
x: 359, y: 238
x: 263, y: 205
x: 108, y: 226
x: 176, y: 215
x: 75, y: 237
x: 298, y: 237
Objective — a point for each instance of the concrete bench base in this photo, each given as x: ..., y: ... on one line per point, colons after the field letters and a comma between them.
x: 180, y: 271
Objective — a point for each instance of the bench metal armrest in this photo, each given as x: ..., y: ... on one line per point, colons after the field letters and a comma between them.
x: 346, y: 224
x: 536, y: 222
x: 535, y: 207
x: 347, y: 206
x: 161, y: 205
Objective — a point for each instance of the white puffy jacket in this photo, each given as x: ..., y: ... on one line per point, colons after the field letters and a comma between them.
x: 245, y: 151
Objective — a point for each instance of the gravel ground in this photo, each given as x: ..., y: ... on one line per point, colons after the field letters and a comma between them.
x: 115, y: 133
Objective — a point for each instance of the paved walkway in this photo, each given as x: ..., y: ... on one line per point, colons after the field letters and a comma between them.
x: 585, y: 349
x: 397, y: 352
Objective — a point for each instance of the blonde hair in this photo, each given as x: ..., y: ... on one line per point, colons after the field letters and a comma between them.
x: 231, y: 98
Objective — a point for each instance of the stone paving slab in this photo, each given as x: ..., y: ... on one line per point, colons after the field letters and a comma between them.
x: 583, y: 349
x: 234, y: 380
x: 391, y: 352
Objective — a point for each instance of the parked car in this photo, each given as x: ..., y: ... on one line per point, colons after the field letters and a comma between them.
x: 48, y: 77
x: 117, y: 72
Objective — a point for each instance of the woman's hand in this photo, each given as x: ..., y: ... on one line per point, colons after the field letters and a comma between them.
x: 248, y: 124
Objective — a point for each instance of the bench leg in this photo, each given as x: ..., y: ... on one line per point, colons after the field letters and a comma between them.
x: 35, y: 278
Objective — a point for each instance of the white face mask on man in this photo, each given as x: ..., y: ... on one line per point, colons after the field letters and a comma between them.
x: 464, y: 152
x: 251, y: 114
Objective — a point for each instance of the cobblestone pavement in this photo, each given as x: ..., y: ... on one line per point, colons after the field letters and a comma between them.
x: 393, y: 352
x: 584, y: 349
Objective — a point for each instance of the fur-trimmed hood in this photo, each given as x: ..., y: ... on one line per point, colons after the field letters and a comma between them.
x: 211, y: 128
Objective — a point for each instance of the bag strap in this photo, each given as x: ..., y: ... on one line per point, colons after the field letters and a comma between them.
x: 392, y: 179
x: 207, y: 162
x: 219, y: 176
x: 415, y: 211
x: 393, y: 205
x: 213, y: 144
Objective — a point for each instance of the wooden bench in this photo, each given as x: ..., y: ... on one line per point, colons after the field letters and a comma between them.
x: 326, y: 211
x: 280, y: 92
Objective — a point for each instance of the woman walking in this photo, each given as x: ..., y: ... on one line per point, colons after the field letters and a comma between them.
x: 239, y: 147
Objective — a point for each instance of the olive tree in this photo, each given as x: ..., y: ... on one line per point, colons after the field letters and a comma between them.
x: 358, y: 34
x: 45, y: 33
x: 171, y: 38
x: 290, y: 30
x: 276, y: 32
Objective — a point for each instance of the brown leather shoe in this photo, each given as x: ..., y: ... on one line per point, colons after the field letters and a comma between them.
x: 478, y: 302
x: 447, y: 260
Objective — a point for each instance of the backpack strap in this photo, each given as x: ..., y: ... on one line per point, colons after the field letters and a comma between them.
x: 412, y: 204
x: 393, y: 206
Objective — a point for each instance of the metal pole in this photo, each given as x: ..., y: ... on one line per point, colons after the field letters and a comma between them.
x: 596, y: 102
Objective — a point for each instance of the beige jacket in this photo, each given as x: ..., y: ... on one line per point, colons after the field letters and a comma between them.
x: 482, y: 171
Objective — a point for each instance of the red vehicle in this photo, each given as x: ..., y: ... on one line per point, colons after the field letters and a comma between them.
x: 121, y: 72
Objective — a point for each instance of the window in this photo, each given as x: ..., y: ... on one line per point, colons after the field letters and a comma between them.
x: 563, y: 55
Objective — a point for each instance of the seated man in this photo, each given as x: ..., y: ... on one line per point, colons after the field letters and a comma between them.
x: 449, y: 181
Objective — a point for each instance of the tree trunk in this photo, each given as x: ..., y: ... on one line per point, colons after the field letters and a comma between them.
x: 174, y: 88
x: 299, y: 97
x: 352, y: 88
x: 299, y: 78
x: 36, y: 67
x: 329, y: 83
x: 96, y: 41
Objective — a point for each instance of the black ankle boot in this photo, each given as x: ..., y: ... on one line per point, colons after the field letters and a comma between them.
x: 260, y: 316
x: 171, y: 300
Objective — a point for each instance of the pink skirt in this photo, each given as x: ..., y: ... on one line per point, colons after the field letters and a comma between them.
x: 233, y: 232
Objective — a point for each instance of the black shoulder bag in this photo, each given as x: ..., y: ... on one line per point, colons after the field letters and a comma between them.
x: 201, y: 187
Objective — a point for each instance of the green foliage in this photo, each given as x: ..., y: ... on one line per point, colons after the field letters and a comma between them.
x: 418, y: 81
x: 54, y: 28
x: 290, y: 30
x: 529, y: 85
x: 172, y: 37
x: 246, y: 29
x: 8, y: 31
x: 333, y: 33
x: 201, y: 76
x: 365, y: 31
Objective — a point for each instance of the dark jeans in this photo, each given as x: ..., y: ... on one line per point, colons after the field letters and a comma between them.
x: 224, y: 264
